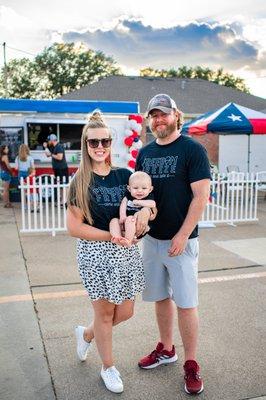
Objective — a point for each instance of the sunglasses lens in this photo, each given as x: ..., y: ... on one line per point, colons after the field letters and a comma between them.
x: 106, y: 143
x: 94, y: 143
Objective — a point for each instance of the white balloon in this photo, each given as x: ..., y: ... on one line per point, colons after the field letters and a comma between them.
x: 127, y: 124
x: 128, y: 156
x: 133, y: 124
x: 127, y: 132
x: 136, y: 145
x: 138, y: 128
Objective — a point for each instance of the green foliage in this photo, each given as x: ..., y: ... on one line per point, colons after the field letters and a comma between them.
x: 59, y: 69
x: 198, y: 72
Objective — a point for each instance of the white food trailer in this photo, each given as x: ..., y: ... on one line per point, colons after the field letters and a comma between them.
x: 31, y: 121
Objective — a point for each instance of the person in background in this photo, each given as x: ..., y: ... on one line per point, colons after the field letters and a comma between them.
x: 56, y: 151
x: 180, y: 172
x: 6, y: 174
x: 111, y: 274
x: 24, y: 162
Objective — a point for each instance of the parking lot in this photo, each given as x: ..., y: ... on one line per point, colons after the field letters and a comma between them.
x: 42, y: 300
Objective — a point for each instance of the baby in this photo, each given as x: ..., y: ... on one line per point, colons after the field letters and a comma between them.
x: 139, y: 194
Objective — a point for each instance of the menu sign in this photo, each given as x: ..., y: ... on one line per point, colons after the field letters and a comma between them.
x: 13, y: 138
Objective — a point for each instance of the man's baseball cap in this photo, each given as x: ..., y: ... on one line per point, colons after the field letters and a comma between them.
x: 52, y: 137
x: 161, y: 102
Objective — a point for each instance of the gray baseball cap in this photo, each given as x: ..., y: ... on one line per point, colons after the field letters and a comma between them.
x: 161, y: 102
x: 52, y: 137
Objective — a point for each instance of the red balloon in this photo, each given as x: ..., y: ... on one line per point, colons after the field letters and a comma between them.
x: 131, y: 163
x: 134, y: 153
x: 128, y: 141
x: 135, y: 134
x: 137, y: 118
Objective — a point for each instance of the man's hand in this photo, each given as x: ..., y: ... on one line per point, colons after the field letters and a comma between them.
x: 178, y: 245
x: 142, y: 217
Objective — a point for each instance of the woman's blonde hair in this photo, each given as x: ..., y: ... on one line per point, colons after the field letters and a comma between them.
x: 23, y: 152
x: 78, y: 194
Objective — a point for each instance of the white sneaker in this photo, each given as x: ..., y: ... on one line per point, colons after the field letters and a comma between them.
x: 82, y: 345
x: 112, y: 379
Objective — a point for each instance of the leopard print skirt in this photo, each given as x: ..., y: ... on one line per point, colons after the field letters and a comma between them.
x: 109, y: 271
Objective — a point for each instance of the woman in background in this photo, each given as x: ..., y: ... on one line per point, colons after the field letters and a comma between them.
x: 6, y: 174
x: 24, y: 162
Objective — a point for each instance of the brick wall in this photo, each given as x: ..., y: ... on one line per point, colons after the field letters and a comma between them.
x: 211, y: 142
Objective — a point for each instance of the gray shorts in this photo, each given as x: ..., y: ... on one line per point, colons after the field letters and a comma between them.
x: 170, y: 277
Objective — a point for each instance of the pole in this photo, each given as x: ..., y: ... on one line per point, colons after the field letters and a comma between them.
x: 249, y: 152
x: 5, y: 70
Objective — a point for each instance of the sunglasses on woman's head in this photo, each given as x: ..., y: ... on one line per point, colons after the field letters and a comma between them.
x: 94, y: 143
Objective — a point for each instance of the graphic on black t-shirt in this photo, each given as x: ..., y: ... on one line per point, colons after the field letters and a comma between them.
x: 161, y: 167
x: 106, y: 196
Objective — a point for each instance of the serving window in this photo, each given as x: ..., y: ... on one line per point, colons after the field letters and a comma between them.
x: 69, y: 135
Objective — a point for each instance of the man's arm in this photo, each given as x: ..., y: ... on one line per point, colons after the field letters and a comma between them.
x: 58, y: 156
x: 201, y: 192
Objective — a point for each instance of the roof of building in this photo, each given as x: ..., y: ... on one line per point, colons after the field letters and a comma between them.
x: 193, y: 96
x: 68, y: 106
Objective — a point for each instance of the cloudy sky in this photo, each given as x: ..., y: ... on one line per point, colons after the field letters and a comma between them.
x: 138, y: 33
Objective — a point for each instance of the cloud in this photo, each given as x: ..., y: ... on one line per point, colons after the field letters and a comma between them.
x: 136, y: 45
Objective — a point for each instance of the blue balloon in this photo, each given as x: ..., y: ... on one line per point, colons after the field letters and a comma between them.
x: 136, y: 139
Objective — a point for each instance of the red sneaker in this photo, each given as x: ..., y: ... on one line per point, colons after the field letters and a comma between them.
x: 158, y: 357
x: 193, y: 381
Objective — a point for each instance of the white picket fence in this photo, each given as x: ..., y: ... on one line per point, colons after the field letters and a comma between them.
x: 42, y: 204
x: 233, y: 198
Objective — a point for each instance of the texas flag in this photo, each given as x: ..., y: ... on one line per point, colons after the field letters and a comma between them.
x: 231, y: 119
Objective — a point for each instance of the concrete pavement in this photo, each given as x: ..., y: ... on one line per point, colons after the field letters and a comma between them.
x: 41, y: 300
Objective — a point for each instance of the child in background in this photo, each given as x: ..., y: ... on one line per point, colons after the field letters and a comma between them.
x: 33, y: 191
x: 139, y: 194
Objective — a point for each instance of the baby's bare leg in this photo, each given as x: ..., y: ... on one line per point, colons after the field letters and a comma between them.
x: 130, y: 228
x: 115, y: 230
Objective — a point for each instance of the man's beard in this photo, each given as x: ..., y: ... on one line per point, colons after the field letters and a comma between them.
x: 161, y: 134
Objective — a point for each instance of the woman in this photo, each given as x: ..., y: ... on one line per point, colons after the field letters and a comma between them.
x: 24, y: 162
x: 6, y: 174
x: 111, y: 274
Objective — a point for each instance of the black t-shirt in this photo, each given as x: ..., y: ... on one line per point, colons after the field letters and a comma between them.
x: 106, y: 196
x: 58, y: 149
x: 132, y: 208
x: 173, y: 167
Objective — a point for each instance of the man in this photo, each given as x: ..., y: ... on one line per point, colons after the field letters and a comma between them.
x: 55, y: 150
x: 180, y: 173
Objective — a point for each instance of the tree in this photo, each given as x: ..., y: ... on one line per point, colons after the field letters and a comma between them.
x: 198, y: 72
x: 59, y: 69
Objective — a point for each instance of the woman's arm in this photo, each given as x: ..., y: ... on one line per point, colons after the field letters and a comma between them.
x: 78, y: 229
x: 5, y: 159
